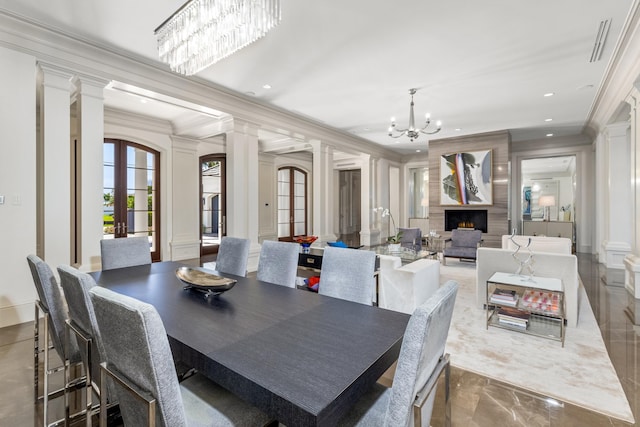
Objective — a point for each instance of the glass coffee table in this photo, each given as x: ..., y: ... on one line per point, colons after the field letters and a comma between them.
x: 406, y: 255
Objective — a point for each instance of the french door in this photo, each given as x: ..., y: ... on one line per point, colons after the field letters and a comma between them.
x: 131, y: 192
x: 292, y: 203
x: 213, y: 205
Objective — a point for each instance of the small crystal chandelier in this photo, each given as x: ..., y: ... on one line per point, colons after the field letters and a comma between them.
x: 412, y: 132
x: 202, y: 32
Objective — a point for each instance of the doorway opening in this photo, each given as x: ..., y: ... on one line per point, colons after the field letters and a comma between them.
x: 213, y: 206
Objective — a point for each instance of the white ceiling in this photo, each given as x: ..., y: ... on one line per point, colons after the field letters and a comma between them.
x: 480, y: 66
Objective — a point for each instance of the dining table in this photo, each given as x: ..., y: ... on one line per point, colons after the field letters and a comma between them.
x: 303, y: 358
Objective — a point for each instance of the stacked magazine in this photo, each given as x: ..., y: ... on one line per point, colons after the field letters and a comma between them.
x: 513, y: 317
x: 504, y: 297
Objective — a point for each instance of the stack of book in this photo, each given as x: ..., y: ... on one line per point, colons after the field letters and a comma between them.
x: 513, y: 317
x: 504, y: 297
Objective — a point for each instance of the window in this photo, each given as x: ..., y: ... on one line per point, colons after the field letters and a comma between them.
x: 131, y: 192
x: 419, y: 193
x: 292, y: 203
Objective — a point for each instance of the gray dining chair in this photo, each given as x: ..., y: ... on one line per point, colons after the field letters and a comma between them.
x: 82, y: 324
x: 278, y: 263
x: 233, y: 255
x: 409, y: 401
x: 138, y: 358
x: 53, y: 307
x: 124, y: 252
x: 348, y: 274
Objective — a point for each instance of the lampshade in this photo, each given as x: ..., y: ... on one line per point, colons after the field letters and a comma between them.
x: 547, y: 201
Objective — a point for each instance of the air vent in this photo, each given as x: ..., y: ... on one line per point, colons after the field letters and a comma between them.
x: 601, y: 38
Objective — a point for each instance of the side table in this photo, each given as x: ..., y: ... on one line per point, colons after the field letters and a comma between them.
x: 537, y: 307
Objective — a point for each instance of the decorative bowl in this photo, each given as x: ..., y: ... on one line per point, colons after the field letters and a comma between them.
x: 200, y: 279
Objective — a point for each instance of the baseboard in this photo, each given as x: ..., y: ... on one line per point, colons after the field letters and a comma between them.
x: 16, y: 314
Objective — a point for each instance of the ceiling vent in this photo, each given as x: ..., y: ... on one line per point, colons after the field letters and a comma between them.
x: 601, y: 38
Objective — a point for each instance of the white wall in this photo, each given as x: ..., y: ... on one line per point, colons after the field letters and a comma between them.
x: 17, y: 185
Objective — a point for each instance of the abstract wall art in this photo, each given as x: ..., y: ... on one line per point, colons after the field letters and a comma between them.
x: 465, y: 178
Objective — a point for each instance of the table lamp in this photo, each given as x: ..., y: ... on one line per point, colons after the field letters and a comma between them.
x: 546, y: 202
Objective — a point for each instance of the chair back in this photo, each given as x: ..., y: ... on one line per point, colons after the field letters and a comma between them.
x: 124, y: 252
x: 422, y: 346
x: 54, y: 302
x: 137, y: 347
x: 348, y: 274
x: 233, y: 255
x: 465, y: 238
x: 411, y: 238
x: 76, y: 286
x: 278, y: 263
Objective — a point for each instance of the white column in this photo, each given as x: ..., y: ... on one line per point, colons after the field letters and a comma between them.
x: 369, y: 235
x: 323, y: 184
x: 90, y: 119
x: 54, y: 173
x: 185, y: 218
x: 243, y: 186
x: 632, y: 260
x: 617, y: 243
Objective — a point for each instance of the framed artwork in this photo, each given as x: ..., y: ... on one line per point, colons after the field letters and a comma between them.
x: 465, y: 178
x: 526, y: 200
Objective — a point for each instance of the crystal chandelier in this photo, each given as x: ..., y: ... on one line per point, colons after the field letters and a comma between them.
x: 202, y: 32
x: 412, y: 132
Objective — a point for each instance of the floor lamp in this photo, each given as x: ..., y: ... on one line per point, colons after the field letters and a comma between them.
x: 546, y: 202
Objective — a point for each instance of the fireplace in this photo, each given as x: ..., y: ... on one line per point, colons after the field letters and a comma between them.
x: 467, y: 218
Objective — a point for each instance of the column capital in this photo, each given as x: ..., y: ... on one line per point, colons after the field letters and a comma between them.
x: 244, y: 127
x: 90, y: 86
x: 54, y: 76
x: 616, y: 130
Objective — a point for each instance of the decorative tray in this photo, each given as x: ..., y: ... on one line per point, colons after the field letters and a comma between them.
x: 202, y: 280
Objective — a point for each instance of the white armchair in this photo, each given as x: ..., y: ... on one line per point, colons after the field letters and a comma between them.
x: 404, y: 287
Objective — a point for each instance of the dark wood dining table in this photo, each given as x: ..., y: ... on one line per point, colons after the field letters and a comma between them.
x: 302, y: 358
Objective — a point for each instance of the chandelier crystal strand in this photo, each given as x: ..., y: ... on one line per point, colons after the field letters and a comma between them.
x: 203, y: 32
x: 412, y: 131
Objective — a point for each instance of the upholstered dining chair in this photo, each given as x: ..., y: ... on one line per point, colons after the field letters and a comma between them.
x: 409, y: 401
x: 82, y: 324
x: 53, y: 307
x: 138, y: 358
x: 124, y: 252
x: 278, y: 263
x: 348, y: 274
x: 233, y: 254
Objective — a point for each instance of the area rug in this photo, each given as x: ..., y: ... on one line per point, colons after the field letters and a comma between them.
x: 581, y: 373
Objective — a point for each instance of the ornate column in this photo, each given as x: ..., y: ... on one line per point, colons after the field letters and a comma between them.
x: 54, y: 165
x: 185, y: 181
x: 89, y: 196
x: 617, y: 203
x: 243, y: 186
x: 371, y: 171
x: 323, y: 184
x: 632, y: 260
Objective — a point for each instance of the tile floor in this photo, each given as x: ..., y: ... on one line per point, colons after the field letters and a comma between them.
x: 476, y: 400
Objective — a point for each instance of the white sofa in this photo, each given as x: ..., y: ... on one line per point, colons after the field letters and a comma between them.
x: 562, y: 266
x: 559, y: 245
x: 404, y: 287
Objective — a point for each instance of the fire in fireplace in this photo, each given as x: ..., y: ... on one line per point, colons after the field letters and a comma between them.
x: 467, y: 218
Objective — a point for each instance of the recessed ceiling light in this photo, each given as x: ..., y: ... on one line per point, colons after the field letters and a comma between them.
x: 458, y: 129
x: 548, y: 120
x: 143, y: 100
x: 417, y: 151
x: 250, y: 93
x: 549, y: 134
x: 549, y: 94
x: 266, y: 86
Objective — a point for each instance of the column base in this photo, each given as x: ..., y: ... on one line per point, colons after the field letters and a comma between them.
x: 370, y: 237
x: 615, y: 253
x: 632, y: 275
